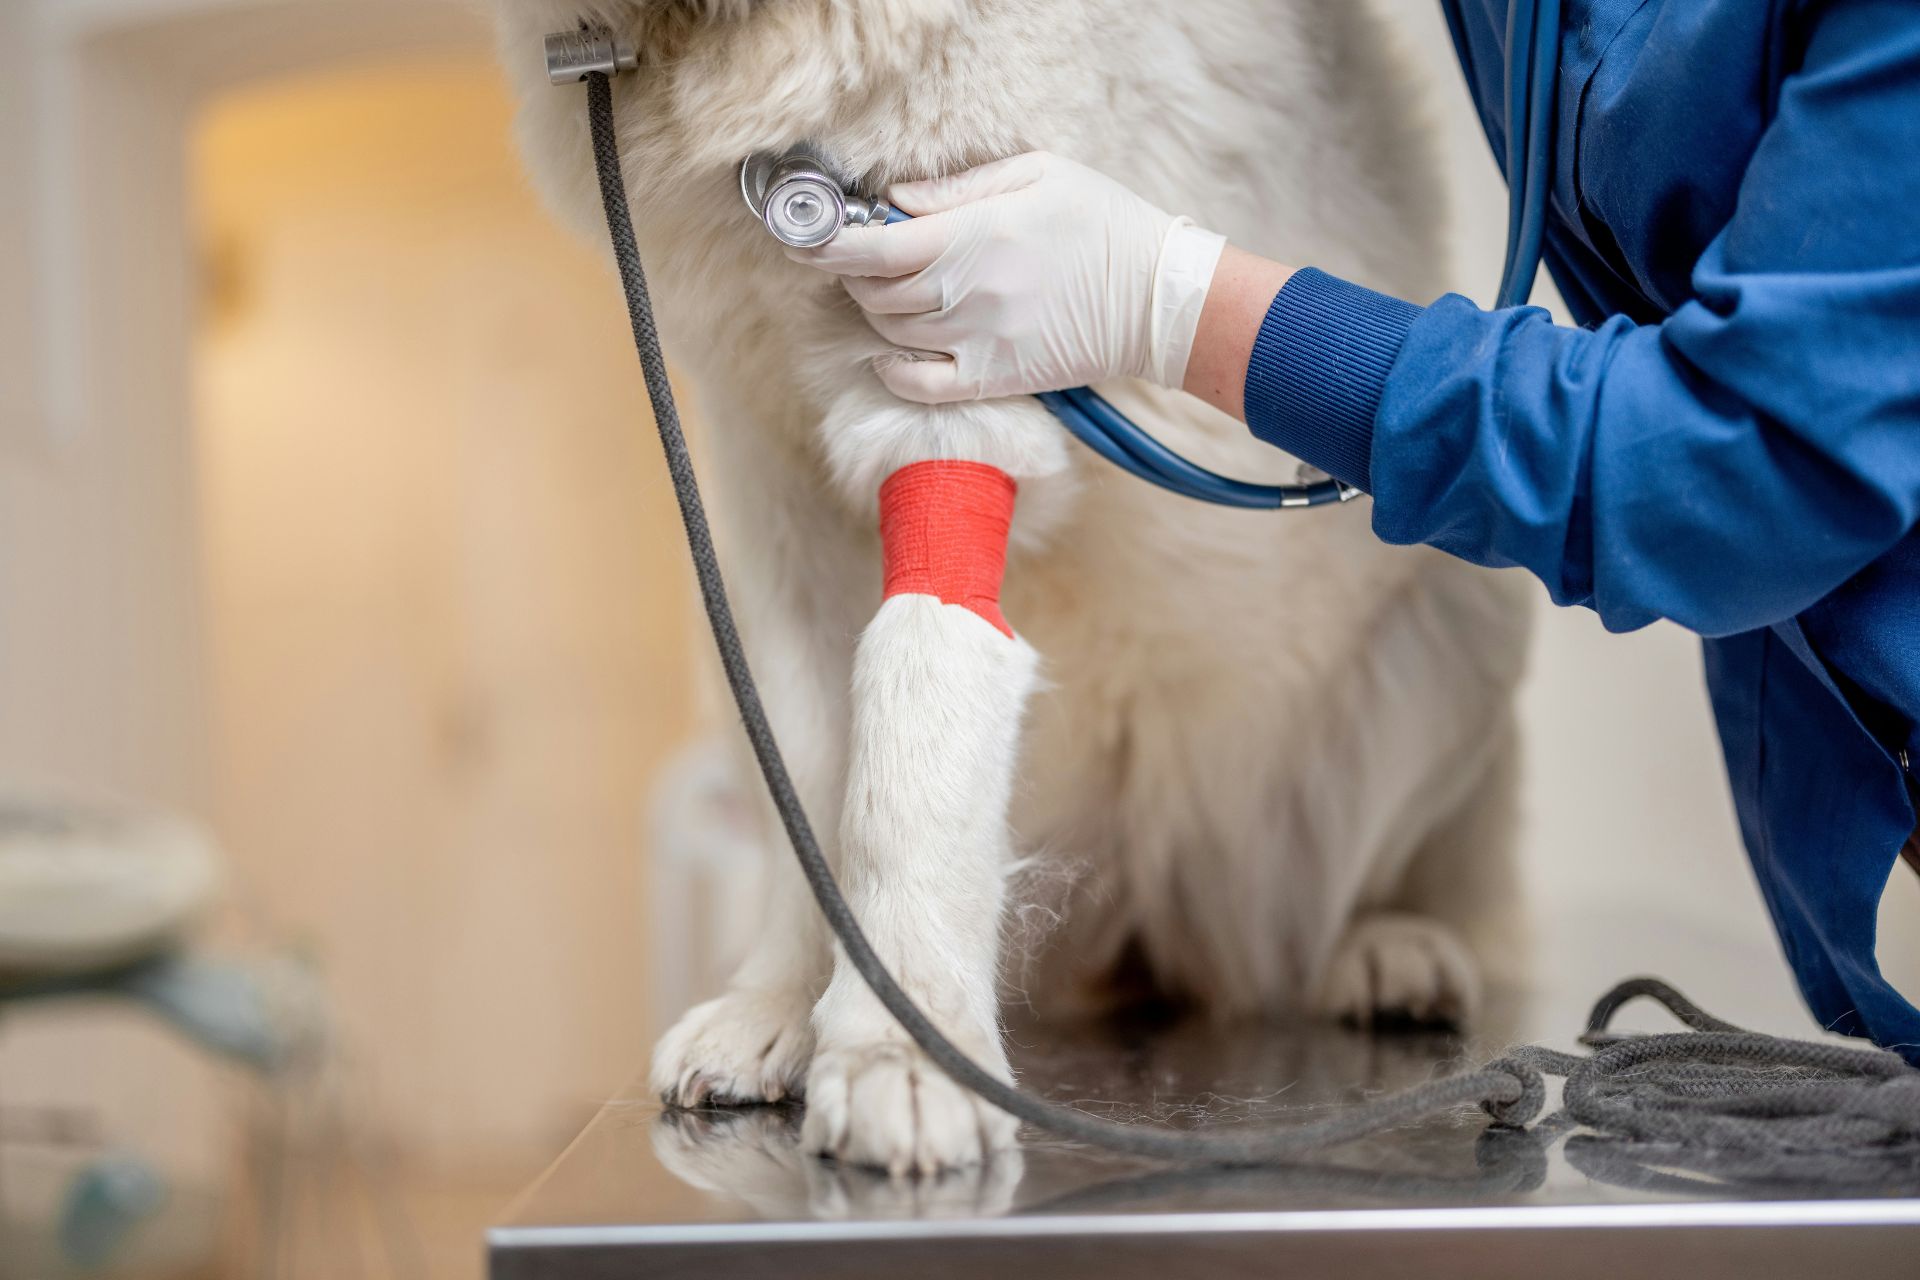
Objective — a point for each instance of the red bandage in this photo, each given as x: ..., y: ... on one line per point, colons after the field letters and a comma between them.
x: 943, y: 533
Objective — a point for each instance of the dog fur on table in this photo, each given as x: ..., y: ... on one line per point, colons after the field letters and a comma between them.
x: 1279, y: 755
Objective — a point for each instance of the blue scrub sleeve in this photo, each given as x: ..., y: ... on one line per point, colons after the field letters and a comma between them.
x: 1724, y: 469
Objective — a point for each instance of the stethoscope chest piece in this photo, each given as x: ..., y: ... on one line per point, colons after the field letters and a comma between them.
x: 802, y: 203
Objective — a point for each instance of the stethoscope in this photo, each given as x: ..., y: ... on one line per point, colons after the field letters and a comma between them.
x: 803, y: 202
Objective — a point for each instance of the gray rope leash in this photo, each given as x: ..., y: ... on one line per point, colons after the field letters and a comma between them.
x: 1715, y: 1086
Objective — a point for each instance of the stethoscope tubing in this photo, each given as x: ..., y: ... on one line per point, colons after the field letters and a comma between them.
x: 1091, y: 418
x: 1532, y: 80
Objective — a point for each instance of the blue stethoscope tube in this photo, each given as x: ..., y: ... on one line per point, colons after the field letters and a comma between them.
x: 1104, y: 429
x: 1532, y: 77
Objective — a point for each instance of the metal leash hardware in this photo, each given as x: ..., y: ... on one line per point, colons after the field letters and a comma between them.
x: 1511, y: 1088
x: 574, y: 55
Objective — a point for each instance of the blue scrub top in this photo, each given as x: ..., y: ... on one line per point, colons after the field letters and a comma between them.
x: 1732, y: 438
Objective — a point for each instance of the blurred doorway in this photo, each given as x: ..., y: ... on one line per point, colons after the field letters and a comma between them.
x: 444, y: 604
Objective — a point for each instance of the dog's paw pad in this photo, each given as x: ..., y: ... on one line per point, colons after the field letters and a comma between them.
x: 744, y: 1047
x: 885, y: 1105
x: 1397, y: 970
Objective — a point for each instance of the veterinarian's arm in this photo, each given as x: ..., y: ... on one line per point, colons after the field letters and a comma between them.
x: 1726, y: 468
x: 1243, y: 289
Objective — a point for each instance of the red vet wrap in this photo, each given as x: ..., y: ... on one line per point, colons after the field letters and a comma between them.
x: 943, y: 533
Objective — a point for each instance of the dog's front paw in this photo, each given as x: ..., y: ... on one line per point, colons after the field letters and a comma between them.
x: 1401, y: 969
x: 883, y: 1104
x: 746, y: 1046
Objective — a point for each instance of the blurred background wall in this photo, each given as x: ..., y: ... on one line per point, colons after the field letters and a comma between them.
x: 445, y: 642
x: 329, y: 515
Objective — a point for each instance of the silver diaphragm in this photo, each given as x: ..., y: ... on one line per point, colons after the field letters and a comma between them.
x: 797, y: 196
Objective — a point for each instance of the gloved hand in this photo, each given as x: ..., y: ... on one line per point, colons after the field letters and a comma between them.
x: 1028, y: 274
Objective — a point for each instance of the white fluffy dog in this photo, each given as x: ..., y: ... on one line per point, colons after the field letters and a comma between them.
x: 1279, y: 752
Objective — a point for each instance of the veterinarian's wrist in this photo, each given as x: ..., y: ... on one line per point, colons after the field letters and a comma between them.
x: 1241, y: 289
x: 1318, y: 369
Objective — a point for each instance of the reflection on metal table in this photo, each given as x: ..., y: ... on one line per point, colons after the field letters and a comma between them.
x: 643, y: 1192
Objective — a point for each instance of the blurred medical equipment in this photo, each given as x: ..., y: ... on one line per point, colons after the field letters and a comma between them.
x: 98, y: 901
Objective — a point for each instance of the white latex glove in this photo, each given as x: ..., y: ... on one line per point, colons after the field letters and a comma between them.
x: 1028, y: 274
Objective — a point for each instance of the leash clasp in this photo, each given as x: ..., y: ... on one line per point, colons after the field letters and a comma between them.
x: 572, y: 56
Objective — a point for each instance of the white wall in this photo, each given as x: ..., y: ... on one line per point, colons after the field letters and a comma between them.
x: 100, y: 651
x: 97, y: 664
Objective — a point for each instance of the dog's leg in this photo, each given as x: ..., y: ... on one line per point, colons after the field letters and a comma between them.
x: 939, y: 686
x: 1455, y: 916
x: 937, y: 697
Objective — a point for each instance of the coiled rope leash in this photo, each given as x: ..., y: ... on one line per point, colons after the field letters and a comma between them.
x: 1715, y: 1086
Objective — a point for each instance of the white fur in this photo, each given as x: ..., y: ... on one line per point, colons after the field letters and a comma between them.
x: 1261, y: 731
x: 937, y: 698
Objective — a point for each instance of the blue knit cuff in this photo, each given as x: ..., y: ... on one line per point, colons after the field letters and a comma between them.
x: 1318, y: 370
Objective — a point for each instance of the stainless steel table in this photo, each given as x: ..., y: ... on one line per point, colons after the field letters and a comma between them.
x: 728, y: 1193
